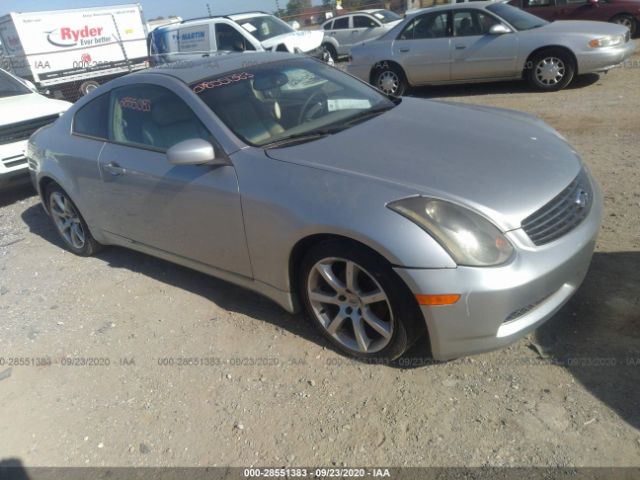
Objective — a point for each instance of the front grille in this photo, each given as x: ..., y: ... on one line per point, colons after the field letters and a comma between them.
x: 23, y: 130
x: 562, y: 214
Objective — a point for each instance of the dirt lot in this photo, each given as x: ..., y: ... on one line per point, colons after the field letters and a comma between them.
x: 274, y: 393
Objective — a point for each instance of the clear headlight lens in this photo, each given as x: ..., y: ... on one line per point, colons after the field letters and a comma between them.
x: 608, y: 41
x: 469, y: 238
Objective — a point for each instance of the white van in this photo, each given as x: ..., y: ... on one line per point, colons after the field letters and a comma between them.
x: 253, y: 31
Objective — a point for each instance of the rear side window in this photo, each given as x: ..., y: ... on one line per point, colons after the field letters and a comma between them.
x: 152, y: 117
x: 92, y: 120
x: 430, y: 25
x: 341, y: 23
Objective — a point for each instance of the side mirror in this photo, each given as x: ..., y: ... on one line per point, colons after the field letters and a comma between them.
x: 194, y: 152
x: 499, y: 29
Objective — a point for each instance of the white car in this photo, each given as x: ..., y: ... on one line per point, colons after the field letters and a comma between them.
x: 23, y: 112
x: 345, y: 31
x: 253, y: 31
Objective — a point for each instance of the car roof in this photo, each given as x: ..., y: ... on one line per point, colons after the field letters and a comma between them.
x: 453, y: 6
x: 242, y: 16
x: 220, y: 63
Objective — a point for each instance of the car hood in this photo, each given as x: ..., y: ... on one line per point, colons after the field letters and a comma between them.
x: 305, y: 41
x: 20, y: 108
x: 502, y: 163
x: 581, y: 26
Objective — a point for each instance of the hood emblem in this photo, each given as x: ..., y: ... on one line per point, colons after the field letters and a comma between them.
x: 581, y: 199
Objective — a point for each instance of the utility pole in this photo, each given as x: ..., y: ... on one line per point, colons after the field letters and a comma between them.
x: 209, y: 10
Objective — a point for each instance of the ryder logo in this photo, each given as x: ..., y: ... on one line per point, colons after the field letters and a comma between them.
x: 70, y: 37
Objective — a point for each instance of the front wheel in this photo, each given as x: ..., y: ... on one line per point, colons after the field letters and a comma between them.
x: 550, y: 70
x: 390, y: 80
x: 626, y: 21
x: 358, y: 302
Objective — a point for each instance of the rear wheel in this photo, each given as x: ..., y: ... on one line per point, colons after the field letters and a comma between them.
x: 550, y: 70
x: 69, y: 223
x: 390, y: 79
x: 627, y: 21
x: 358, y: 302
x: 87, y: 87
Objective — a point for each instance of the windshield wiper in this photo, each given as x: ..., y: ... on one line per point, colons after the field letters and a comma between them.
x: 303, y: 137
x: 322, y: 132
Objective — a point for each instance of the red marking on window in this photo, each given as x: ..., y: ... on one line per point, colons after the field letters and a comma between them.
x: 139, y: 104
x: 222, y: 81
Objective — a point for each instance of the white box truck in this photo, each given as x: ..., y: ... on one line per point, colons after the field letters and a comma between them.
x: 71, y: 52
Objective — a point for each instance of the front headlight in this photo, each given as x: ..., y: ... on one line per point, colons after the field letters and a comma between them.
x: 469, y: 238
x: 608, y: 41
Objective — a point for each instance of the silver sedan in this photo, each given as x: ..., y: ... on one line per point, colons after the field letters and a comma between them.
x: 487, y: 41
x: 291, y: 178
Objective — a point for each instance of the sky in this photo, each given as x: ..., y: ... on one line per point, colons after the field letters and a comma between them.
x: 152, y: 8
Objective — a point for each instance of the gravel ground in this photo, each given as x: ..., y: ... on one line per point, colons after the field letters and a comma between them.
x: 269, y: 391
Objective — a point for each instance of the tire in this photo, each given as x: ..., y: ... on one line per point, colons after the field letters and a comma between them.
x: 390, y: 79
x: 377, y: 297
x: 70, y: 225
x: 87, y: 87
x: 550, y: 70
x: 331, y: 50
x: 627, y: 21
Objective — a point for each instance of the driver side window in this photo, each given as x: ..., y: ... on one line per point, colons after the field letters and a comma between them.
x: 228, y: 38
x: 152, y: 117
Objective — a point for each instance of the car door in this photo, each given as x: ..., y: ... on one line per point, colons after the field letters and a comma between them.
x: 365, y: 28
x: 423, y: 48
x: 341, y: 32
x: 547, y: 9
x: 476, y: 53
x: 190, y: 211
x: 583, y: 10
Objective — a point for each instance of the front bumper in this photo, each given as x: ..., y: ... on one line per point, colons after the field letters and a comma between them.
x: 13, y: 162
x: 499, y: 305
x: 604, y: 59
x: 319, y: 53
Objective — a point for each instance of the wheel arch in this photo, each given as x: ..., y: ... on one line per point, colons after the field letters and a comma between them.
x: 305, y: 244
x: 378, y: 65
x: 564, y: 48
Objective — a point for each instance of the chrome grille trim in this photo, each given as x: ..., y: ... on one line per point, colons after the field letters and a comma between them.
x: 23, y: 130
x: 562, y: 214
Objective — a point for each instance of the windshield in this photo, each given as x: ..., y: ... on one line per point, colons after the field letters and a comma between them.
x: 10, y: 86
x: 275, y: 102
x: 386, y: 16
x: 264, y: 27
x: 519, y: 19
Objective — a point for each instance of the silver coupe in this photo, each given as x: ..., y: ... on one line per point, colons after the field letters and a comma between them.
x: 289, y: 177
x: 487, y: 41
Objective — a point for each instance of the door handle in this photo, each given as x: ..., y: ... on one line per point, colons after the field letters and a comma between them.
x: 460, y: 47
x: 405, y: 50
x: 114, y: 169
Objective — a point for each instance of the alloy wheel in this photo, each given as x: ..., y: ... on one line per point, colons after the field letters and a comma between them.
x: 350, y: 305
x: 67, y: 220
x: 550, y: 71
